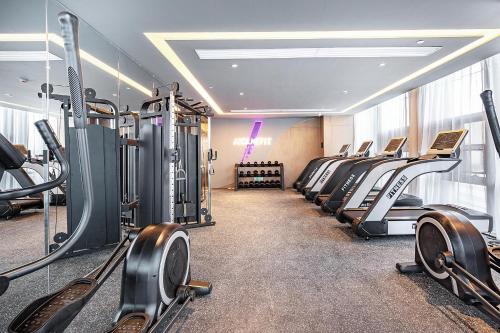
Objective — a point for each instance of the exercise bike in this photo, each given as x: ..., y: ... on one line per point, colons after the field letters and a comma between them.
x: 453, y: 252
x: 156, y: 280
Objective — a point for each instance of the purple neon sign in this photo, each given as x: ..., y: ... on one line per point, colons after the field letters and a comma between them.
x: 257, y: 125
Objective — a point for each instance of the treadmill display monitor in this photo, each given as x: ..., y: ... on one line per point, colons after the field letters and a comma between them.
x: 344, y: 148
x: 394, y: 145
x: 364, y: 147
x: 447, y: 142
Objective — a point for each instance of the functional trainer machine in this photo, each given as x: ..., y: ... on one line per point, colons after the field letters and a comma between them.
x: 104, y: 142
x: 172, y: 186
x: 315, y: 164
x: 156, y: 275
x: 453, y: 252
x: 382, y: 219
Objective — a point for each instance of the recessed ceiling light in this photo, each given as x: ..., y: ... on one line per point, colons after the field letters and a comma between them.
x: 210, y: 87
x: 346, y: 92
x: 128, y: 88
x: 420, y: 42
x: 8, y: 95
x: 115, y: 95
x: 27, y: 56
x: 234, y: 65
x: 382, y: 64
x: 324, y: 52
x: 242, y: 93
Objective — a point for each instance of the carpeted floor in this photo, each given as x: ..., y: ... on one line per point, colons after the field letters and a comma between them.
x: 277, y: 265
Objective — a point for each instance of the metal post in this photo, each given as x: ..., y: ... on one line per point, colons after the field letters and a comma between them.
x: 171, y: 149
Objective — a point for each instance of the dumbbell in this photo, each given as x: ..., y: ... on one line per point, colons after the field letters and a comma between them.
x: 262, y: 163
x: 269, y: 163
x: 249, y: 173
x: 251, y: 184
x: 240, y: 184
x: 241, y: 173
x: 276, y: 163
x: 266, y: 183
x: 271, y: 183
x: 248, y: 164
x: 255, y: 163
x: 256, y: 172
x: 245, y: 184
x: 262, y: 173
x: 269, y: 172
x: 241, y: 164
x: 278, y: 183
x: 276, y: 172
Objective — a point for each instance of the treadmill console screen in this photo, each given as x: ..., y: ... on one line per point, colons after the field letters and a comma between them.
x: 394, y: 145
x: 446, y: 140
x: 344, y: 148
x: 364, y: 147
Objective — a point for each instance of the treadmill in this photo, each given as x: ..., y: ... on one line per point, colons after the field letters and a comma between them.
x: 381, y: 219
x: 354, y: 177
x: 315, y: 165
x: 336, y: 171
x: 12, y: 160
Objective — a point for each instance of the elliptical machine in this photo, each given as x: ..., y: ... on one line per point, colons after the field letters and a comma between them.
x: 156, y: 279
x: 453, y: 252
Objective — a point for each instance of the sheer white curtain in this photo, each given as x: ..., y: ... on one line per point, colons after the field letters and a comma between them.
x: 449, y: 103
x: 393, y: 120
x: 365, y: 128
x: 381, y: 123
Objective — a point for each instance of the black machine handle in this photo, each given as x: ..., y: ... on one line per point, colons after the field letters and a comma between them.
x: 489, y: 107
x: 69, y: 32
x: 54, y: 146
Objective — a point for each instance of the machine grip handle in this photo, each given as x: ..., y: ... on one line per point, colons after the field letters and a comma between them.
x: 489, y: 107
x: 48, y: 135
x: 69, y: 32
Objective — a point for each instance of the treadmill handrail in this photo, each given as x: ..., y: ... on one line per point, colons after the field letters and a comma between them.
x: 398, y: 182
x: 370, y: 179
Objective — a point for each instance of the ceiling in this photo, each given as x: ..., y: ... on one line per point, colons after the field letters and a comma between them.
x: 284, y: 84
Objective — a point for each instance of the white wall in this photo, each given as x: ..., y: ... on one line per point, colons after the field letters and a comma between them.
x: 294, y: 141
x: 337, y: 131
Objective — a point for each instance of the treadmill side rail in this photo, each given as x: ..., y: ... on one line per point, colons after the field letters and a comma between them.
x: 398, y: 182
x: 367, y: 183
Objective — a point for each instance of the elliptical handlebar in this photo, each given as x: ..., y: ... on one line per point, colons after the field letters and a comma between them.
x: 69, y: 29
x: 50, y: 139
x: 489, y: 107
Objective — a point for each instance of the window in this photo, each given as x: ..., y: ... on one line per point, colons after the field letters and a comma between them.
x: 453, y: 102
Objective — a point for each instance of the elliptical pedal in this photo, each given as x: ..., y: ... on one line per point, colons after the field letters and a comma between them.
x: 50, y: 313
x: 132, y: 323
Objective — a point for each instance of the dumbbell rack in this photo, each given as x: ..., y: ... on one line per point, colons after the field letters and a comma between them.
x: 259, y: 179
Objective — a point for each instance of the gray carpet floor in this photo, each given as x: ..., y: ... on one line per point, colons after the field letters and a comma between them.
x: 278, y: 264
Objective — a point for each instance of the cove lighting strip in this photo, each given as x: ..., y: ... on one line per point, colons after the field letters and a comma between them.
x: 160, y: 41
x: 41, y: 37
x: 15, y: 105
x: 317, y: 52
x: 27, y: 56
x: 282, y: 111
